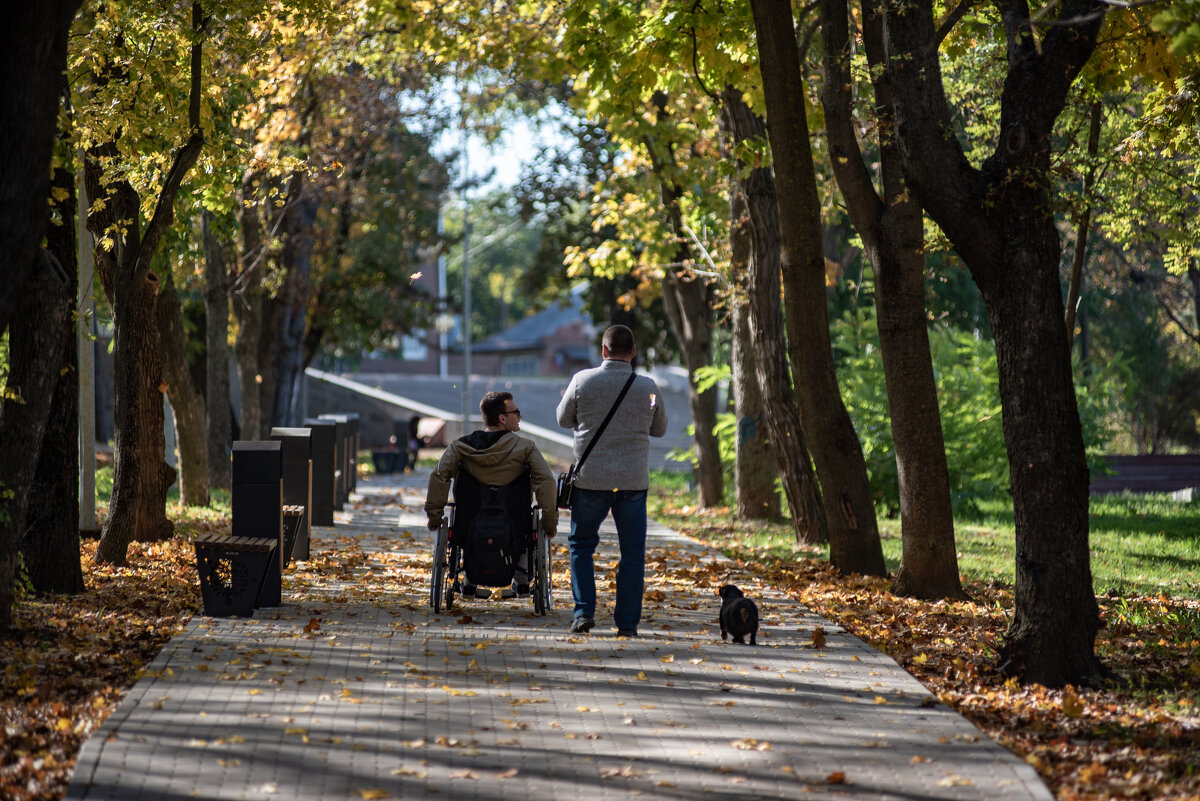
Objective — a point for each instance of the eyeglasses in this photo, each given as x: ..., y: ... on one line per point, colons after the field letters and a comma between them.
x: 517, y: 412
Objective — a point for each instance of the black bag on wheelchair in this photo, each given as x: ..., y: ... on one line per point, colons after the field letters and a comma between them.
x: 491, y: 556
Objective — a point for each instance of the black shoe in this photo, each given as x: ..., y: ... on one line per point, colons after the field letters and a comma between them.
x: 471, y: 591
x: 627, y: 632
x: 582, y: 625
x: 521, y: 590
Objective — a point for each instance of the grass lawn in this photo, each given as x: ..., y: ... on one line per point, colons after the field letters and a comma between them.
x: 1134, y: 735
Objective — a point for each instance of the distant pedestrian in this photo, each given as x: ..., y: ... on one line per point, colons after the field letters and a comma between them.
x: 614, y: 477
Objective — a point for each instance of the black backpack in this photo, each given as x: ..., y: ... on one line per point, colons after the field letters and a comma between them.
x: 491, y: 556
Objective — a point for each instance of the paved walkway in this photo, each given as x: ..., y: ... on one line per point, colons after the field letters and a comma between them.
x: 328, y: 698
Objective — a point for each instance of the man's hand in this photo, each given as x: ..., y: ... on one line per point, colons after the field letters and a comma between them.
x: 433, y: 524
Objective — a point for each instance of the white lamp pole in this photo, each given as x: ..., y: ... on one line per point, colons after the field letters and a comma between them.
x: 466, y: 267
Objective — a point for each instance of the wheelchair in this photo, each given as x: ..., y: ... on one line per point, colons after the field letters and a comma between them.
x: 452, y: 548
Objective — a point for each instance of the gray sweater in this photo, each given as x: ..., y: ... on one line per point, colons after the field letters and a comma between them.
x: 620, y: 459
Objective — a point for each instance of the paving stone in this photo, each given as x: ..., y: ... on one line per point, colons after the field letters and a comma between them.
x: 387, y: 699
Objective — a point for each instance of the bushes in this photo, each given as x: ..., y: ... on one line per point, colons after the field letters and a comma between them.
x: 968, y: 393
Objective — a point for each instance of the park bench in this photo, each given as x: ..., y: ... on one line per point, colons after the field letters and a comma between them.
x: 232, y: 572
x: 1148, y: 473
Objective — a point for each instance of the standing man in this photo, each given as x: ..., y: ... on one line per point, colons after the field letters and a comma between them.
x: 614, y: 477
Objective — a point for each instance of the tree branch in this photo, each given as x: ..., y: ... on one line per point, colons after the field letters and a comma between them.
x: 185, y: 157
x: 947, y: 24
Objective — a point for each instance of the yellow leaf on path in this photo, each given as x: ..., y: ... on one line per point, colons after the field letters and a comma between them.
x: 641, y: 676
x: 63, y: 724
x: 668, y: 658
x: 507, y: 774
x: 373, y: 792
x: 750, y: 744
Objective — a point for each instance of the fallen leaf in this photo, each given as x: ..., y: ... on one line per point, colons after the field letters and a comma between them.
x: 836, y: 778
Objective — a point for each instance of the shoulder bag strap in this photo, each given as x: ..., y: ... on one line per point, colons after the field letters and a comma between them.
x: 604, y: 425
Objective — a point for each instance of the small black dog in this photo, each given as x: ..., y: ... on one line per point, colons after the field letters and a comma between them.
x: 739, y: 615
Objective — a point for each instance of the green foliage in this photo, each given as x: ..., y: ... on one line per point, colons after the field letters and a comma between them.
x: 965, y: 371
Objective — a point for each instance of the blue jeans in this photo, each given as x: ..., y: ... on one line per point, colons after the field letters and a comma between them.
x: 588, y: 510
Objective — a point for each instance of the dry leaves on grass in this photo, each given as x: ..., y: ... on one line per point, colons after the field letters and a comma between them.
x: 68, y: 660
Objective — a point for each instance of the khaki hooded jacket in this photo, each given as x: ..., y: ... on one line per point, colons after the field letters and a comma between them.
x: 493, y: 457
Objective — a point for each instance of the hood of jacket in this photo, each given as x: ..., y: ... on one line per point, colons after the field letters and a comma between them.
x: 488, y: 449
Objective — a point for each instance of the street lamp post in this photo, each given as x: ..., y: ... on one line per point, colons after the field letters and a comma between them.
x: 466, y: 266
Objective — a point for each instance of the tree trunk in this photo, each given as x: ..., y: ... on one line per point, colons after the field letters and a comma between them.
x: 216, y: 339
x: 1000, y: 220
x: 854, y: 545
x: 755, y: 469
x: 33, y: 57
x: 248, y: 301
x: 892, y: 231
x: 50, y: 536
x: 186, y: 400
x: 687, y: 299
x: 35, y: 351
x: 297, y: 263
x: 767, y: 340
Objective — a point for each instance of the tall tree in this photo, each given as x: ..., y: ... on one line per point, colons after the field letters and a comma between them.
x: 755, y: 470
x: 137, y: 510
x: 854, y: 545
x: 33, y: 57
x: 1000, y: 220
x: 187, y: 399
x: 217, y: 406
x: 892, y: 227
x: 688, y: 300
x: 768, y: 344
x: 50, y: 533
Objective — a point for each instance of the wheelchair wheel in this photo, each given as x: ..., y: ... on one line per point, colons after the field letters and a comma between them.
x: 450, y: 580
x: 543, y: 589
x: 438, y: 579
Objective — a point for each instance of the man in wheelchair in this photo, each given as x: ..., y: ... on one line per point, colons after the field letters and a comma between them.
x: 494, y: 457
